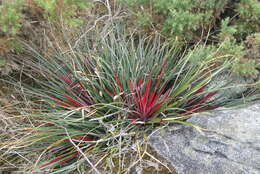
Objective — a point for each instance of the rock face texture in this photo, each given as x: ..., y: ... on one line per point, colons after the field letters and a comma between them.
x: 230, y: 144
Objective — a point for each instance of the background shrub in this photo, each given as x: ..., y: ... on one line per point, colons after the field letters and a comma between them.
x: 20, y: 19
x: 217, y: 22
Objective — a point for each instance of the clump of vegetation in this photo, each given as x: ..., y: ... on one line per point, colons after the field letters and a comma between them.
x: 100, y: 94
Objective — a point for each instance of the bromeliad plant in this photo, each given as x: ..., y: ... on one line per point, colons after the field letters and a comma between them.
x: 109, y: 86
x: 149, y: 101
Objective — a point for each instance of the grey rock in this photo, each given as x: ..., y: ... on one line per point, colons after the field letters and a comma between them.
x: 230, y: 143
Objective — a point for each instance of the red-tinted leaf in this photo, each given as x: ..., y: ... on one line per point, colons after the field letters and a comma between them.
x: 151, y: 98
x: 62, y: 104
x: 67, y: 79
x: 83, y: 138
x: 74, y: 102
x: 118, y: 82
x: 135, y: 120
x: 148, y: 101
x: 73, y: 156
x: 52, y: 161
x: 201, y: 89
x: 152, y: 110
x: 211, y: 94
x: 146, y: 95
x: 78, y: 91
x: 198, y: 106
